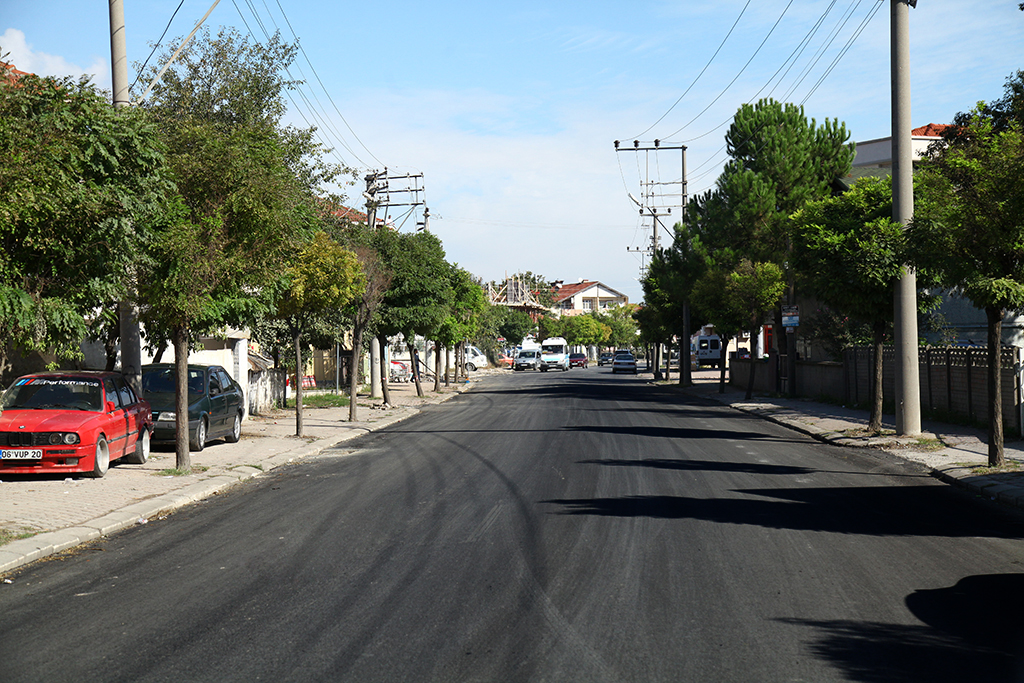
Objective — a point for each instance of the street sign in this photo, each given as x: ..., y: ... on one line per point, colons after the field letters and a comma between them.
x: 790, y: 316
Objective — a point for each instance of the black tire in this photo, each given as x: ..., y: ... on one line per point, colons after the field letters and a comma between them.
x: 141, y: 454
x: 198, y: 440
x: 470, y: 367
x: 101, y: 463
x: 236, y: 430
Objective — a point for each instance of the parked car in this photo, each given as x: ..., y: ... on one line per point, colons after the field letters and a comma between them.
x: 577, y: 360
x: 74, y: 422
x: 606, y: 358
x: 624, y: 362
x: 528, y: 359
x: 216, y: 403
x: 505, y: 361
x: 475, y: 358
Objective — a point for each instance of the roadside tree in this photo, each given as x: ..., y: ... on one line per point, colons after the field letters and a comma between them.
x: 969, y: 227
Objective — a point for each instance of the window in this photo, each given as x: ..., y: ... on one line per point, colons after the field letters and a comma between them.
x: 588, y: 305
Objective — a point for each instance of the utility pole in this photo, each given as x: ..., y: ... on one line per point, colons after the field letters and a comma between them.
x: 376, y: 389
x: 657, y: 202
x: 908, y: 384
x: 131, y: 339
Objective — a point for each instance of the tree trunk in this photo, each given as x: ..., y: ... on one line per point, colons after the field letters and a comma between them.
x: 353, y: 372
x: 721, y: 363
x: 685, y: 369
x: 754, y: 319
x: 298, y: 383
x: 182, y: 457
x: 437, y: 367
x: 875, y: 423
x: 668, y: 361
x: 385, y: 367
x: 415, y: 369
x: 447, y: 366
x: 995, y: 380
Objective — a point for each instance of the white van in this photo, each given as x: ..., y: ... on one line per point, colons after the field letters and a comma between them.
x: 475, y: 358
x: 554, y: 354
x: 709, y: 350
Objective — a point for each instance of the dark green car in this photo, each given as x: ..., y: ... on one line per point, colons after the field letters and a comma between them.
x: 216, y: 403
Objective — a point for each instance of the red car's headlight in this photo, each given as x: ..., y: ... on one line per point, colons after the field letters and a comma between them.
x: 69, y: 438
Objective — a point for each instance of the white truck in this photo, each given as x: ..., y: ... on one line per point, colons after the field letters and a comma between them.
x: 709, y: 350
x: 554, y: 354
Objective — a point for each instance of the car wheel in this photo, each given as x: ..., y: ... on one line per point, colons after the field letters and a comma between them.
x: 470, y: 367
x: 141, y: 454
x: 198, y: 441
x: 236, y: 430
x: 101, y: 461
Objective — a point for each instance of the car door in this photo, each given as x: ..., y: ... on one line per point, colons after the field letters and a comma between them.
x: 232, y: 397
x: 218, y: 404
x: 132, y: 408
x: 116, y: 427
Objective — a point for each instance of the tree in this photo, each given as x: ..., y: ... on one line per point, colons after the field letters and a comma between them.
x: 413, y: 303
x: 244, y: 193
x: 80, y: 188
x: 969, y: 227
x: 725, y: 311
x: 755, y: 288
x: 779, y: 162
x: 325, y: 276
x: 850, y: 252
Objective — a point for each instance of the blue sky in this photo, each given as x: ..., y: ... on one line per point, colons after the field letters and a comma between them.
x: 510, y: 110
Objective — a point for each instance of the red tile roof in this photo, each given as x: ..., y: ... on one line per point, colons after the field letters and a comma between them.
x: 932, y: 130
x: 9, y: 73
x: 566, y: 291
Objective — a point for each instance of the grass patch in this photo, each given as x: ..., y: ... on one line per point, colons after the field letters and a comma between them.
x: 1010, y: 467
x: 178, y: 472
x: 8, y: 535
x: 320, y: 401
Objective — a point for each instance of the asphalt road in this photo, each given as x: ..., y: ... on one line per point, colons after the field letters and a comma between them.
x: 545, y: 527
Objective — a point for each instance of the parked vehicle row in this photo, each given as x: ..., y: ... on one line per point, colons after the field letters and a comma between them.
x: 79, y: 422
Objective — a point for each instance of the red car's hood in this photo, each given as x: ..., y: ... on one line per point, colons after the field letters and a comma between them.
x: 45, y: 420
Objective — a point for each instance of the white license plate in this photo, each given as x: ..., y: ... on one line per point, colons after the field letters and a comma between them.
x: 34, y: 454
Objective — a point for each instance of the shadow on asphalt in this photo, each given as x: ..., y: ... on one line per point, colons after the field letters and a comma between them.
x: 972, y: 632
x: 704, y: 466
x: 864, y: 510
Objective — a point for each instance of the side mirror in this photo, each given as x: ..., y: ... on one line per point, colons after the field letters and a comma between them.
x: 111, y: 406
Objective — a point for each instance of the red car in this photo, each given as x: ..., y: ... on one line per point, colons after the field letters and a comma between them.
x: 67, y: 422
x: 577, y: 360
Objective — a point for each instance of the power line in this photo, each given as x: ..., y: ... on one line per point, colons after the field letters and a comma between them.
x: 721, y: 45
x: 156, y: 45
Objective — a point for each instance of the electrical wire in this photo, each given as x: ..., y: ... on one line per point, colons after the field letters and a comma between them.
x: 685, y: 92
x: 155, y: 47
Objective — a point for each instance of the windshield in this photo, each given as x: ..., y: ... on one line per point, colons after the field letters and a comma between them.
x: 36, y: 393
x: 161, y: 381
x: 553, y: 348
x: 527, y: 354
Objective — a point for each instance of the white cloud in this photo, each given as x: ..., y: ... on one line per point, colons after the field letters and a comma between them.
x: 21, y: 53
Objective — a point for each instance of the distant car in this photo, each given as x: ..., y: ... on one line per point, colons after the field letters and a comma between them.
x: 216, y: 403
x: 505, y: 361
x: 577, y: 360
x: 57, y: 422
x: 475, y: 358
x: 528, y: 359
x: 606, y: 358
x: 624, y: 362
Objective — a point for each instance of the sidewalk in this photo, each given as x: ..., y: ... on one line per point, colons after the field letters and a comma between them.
x: 956, y: 454
x: 46, y: 515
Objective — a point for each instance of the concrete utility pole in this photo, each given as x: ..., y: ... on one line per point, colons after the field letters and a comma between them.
x: 131, y: 339
x: 376, y: 388
x: 908, y: 383
x: 656, y: 204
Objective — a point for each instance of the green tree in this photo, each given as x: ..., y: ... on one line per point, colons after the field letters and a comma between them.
x: 969, y: 227
x: 80, y: 189
x: 849, y: 253
x: 513, y: 325
x: 325, y: 276
x: 755, y: 288
x: 245, y: 187
x: 414, y: 301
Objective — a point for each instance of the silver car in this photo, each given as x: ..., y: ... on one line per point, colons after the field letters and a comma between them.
x: 528, y: 359
x: 624, y: 362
